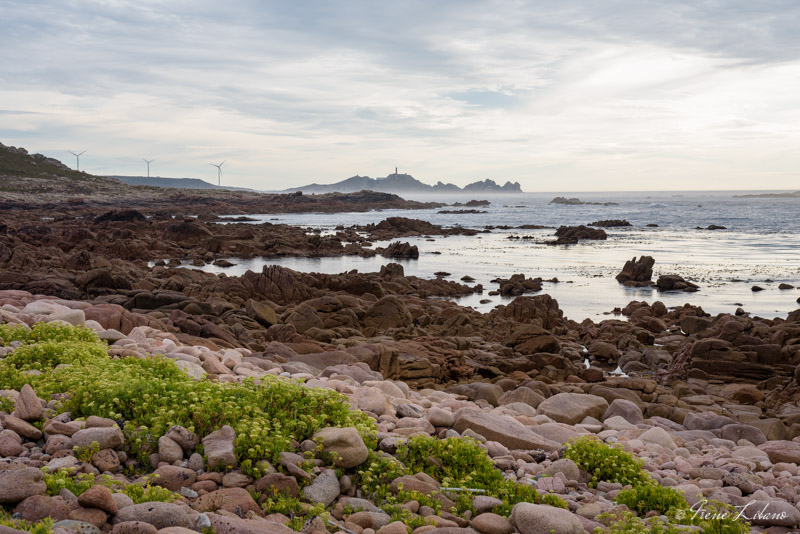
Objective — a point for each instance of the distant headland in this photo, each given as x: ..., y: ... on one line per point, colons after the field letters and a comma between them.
x: 405, y: 183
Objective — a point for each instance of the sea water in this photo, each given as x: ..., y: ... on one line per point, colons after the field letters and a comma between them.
x: 759, y: 246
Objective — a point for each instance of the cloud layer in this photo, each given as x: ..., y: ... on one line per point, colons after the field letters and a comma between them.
x: 560, y: 96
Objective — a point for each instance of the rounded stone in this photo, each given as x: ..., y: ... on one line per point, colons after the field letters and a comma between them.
x: 346, y: 444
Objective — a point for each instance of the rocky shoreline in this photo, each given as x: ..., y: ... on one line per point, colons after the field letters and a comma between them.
x: 708, y: 404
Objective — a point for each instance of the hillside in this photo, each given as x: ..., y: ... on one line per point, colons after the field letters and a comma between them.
x: 24, y: 173
x: 180, y: 183
x: 404, y: 183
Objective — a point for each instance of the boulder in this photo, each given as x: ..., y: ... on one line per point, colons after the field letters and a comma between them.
x: 261, y: 312
x: 570, y: 235
x: 775, y: 513
x: 542, y: 519
x: 169, y: 451
x: 659, y: 436
x: 625, y: 409
x: 136, y: 527
x: 489, y: 523
x: 37, y: 507
x: 324, y: 489
x: 737, y: 431
x: 218, y: 447
x: 388, y: 312
x: 98, y: 497
x: 223, y: 524
x: 674, y: 282
x: 17, y: 484
x: 637, y: 272
x: 174, y: 478
x: 28, y: 406
x: 566, y: 466
x: 235, y: 500
x: 399, y: 249
x: 22, y: 428
x: 531, y: 339
x: 504, y: 430
x: 572, y: 408
x: 187, y: 440
x: 158, y: 514
x: 346, y: 444
x: 109, y: 437
x: 275, y: 483
x: 782, y: 451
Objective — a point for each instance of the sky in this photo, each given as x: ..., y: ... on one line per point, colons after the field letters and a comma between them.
x: 583, y: 95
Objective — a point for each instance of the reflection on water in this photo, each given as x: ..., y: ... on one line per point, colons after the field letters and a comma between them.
x: 724, y: 264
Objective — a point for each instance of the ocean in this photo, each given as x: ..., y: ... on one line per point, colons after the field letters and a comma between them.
x: 759, y: 246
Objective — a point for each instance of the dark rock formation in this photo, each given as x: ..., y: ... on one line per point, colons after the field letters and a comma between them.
x: 120, y: 215
x: 401, y: 250
x: 570, y: 235
x: 637, y: 273
x: 518, y: 285
x: 578, y: 202
x: 393, y: 227
x: 674, y: 282
x: 610, y: 223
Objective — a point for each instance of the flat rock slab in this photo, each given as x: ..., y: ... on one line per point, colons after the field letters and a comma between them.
x: 572, y: 408
x: 504, y: 430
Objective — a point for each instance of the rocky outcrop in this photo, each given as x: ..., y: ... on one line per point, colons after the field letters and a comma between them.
x: 571, y: 235
x: 401, y: 250
x: 518, y: 285
x: 637, y: 273
x: 610, y: 223
x: 674, y: 282
x: 394, y: 227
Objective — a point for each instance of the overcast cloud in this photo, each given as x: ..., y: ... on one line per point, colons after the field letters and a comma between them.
x: 558, y: 95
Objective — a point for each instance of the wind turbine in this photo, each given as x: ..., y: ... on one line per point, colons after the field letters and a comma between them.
x: 77, y: 158
x: 219, y: 172
x: 148, y: 161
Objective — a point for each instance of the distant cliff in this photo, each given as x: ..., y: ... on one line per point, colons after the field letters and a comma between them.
x: 405, y: 183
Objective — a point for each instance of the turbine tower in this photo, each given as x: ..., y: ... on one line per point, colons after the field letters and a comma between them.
x: 219, y: 172
x: 77, y: 158
x: 148, y: 161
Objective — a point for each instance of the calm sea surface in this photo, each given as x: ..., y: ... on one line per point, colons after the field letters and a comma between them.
x: 761, y: 245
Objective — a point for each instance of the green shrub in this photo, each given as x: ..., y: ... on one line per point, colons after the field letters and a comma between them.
x: 606, y: 463
x: 719, y: 518
x: 723, y: 519
x: 45, y: 332
x: 399, y: 513
x: 67, y: 479
x: 85, y: 454
x: 462, y: 463
x: 140, y: 493
x: 628, y: 523
x: 375, y: 474
x: 7, y: 404
x: 297, y: 512
x: 649, y: 497
x: 153, y: 394
x: 45, y: 526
